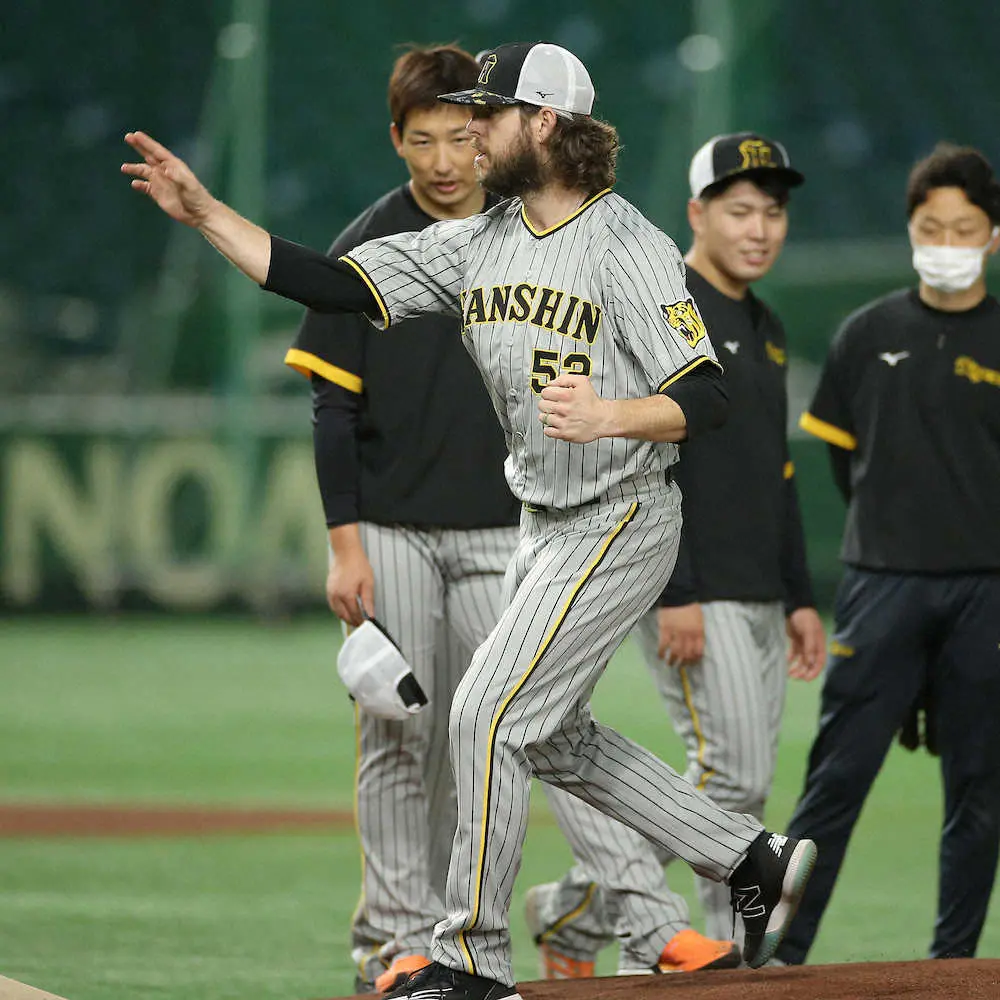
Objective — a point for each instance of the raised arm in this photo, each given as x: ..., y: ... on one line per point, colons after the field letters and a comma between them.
x: 171, y: 183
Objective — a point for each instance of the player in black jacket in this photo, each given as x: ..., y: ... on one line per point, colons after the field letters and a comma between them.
x: 409, y: 459
x: 717, y: 646
x: 909, y: 402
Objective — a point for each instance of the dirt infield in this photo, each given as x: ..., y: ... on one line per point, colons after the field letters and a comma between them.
x: 54, y: 820
x: 959, y: 979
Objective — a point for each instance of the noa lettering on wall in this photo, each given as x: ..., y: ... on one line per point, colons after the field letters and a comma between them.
x: 187, y: 523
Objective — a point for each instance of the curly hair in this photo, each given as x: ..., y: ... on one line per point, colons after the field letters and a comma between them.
x: 583, y: 152
x: 955, y: 166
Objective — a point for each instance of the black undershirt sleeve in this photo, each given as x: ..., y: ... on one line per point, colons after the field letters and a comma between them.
x: 840, y: 464
x: 335, y: 421
x: 317, y: 281
x: 701, y: 394
x: 794, y: 565
x: 680, y: 588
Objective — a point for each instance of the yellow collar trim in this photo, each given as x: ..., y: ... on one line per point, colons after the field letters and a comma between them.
x: 569, y: 218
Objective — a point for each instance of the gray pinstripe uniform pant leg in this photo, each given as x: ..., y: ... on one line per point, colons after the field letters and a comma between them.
x: 438, y: 592
x: 578, y: 583
x: 727, y: 709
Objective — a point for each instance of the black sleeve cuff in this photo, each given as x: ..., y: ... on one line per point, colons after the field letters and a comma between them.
x: 701, y: 393
x: 335, y: 418
x: 794, y: 565
x: 677, y: 595
x: 680, y: 588
x: 317, y: 281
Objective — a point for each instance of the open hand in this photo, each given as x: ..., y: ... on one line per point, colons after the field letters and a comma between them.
x: 570, y: 410
x: 168, y: 180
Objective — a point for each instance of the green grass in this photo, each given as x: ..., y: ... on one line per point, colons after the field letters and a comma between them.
x: 230, y: 711
x: 208, y: 710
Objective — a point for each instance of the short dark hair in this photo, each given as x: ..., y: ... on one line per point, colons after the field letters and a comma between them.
x: 955, y: 166
x: 773, y: 187
x: 583, y: 151
x: 423, y: 72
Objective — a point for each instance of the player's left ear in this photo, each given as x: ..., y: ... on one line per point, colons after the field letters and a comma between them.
x: 544, y: 123
x: 397, y: 138
x: 994, y: 244
x: 696, y: 211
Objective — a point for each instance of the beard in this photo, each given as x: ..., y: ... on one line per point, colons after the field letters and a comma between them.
x: 519, y: 172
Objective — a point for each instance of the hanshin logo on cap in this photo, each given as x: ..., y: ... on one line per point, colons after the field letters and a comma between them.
x: 537, y: 73
x: 484, y: 75
x: 726, y: 157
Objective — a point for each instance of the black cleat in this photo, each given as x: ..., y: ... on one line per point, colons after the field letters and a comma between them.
x: 439, y: 982
x: 766, y: 889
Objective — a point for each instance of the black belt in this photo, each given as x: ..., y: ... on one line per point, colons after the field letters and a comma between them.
x: 534, y: 508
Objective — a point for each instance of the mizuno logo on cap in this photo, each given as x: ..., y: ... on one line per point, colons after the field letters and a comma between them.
x: 484, y: 74
x: 893, y: 359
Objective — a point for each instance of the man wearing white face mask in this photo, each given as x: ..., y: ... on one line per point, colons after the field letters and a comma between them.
x: 909, y: 402
x: 948, y: 268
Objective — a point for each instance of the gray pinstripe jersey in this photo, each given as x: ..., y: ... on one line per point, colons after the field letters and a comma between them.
x: 602, y: 294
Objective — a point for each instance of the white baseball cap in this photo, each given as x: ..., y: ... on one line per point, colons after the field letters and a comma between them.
x: 740, y: 154
x: 537, y: 73
x: 378, y: 678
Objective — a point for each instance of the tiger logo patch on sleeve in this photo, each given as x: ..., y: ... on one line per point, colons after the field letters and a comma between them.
x: 683, y: 316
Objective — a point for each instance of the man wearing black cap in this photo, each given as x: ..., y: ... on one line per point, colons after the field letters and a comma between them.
x: 597, y: 363
x: 716, y: 645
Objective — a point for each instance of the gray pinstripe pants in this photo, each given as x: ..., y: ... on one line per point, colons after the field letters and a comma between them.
x: 438, y: 592
x: 578, y: 583
x: 727, y: 709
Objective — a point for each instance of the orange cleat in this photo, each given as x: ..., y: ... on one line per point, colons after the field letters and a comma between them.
x: 555, y: 965
x: 401, y: 969
x: 552, y: 963
x: 688, y: 951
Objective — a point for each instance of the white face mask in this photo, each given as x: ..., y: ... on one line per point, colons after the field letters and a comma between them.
x: 950, y: 269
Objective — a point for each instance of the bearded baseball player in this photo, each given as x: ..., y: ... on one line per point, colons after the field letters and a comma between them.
x: 717, y: 645
x: 573, y: 308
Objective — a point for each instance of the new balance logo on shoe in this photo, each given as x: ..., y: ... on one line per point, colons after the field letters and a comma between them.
x: 777, y: 842
x: 746, y: 901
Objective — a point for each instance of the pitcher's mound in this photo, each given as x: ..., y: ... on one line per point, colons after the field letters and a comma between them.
x: 964, y: 979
